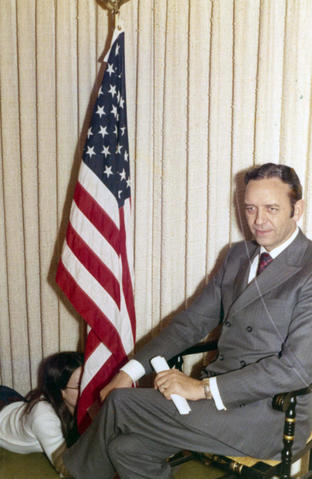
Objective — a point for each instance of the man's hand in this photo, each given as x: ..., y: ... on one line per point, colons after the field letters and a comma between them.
x: 174, y: 381
x: 121, y: 380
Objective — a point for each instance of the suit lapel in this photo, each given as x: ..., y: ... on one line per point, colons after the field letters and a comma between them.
x: 280, y: 270
x: 269, y: 279
x: 241, y: 280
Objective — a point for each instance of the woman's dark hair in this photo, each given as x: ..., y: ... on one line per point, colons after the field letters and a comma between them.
x: 284, y: 173
x: 53, y: 376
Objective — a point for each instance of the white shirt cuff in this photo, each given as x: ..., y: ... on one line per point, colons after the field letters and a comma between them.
x: 134, y: 369
x: 215, y: 393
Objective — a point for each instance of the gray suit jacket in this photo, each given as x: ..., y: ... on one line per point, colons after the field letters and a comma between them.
x: 265, y: 343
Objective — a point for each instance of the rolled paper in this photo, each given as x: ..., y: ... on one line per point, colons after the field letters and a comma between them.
x: 160, y: 364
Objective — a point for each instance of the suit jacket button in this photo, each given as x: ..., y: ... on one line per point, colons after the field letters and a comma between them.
x: 242, y: 363
x: 249, y: 329
x: 227, y: 323
x: 221, y: 357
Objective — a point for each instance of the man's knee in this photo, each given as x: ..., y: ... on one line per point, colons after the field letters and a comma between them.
x: 135, y: 456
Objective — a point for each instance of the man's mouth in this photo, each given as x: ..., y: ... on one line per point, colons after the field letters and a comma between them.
x: 262, y: 232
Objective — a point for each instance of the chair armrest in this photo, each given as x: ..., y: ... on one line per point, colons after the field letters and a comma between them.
x: 177, y: 360
x: 281, y: 402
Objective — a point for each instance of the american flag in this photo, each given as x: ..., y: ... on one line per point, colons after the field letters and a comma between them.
x: 95, y: 270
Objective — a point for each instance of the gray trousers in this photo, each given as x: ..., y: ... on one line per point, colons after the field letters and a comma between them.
x: 137, y: 429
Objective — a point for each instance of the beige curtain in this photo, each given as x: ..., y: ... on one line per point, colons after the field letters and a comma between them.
x: 213, y: 87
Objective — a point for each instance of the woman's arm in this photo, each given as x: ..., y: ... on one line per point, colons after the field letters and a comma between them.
x: 57, y: 461
x: 46, y: 427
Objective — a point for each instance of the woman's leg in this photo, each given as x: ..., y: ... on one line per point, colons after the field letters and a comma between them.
x: 9, y: 395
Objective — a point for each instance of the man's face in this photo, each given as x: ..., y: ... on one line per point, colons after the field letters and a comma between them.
x: 268, y: 211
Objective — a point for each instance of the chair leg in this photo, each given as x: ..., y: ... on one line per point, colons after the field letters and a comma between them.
x: 288, y: 438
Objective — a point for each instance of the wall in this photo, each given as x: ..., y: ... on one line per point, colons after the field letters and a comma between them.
x: 213, y: 87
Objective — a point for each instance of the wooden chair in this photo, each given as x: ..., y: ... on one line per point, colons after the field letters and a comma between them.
x: 249, y: 467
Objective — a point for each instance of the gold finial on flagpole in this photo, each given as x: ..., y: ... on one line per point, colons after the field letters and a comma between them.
x: 114, y: 7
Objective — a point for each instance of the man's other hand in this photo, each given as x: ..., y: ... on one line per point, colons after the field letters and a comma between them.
x: 174, y: 381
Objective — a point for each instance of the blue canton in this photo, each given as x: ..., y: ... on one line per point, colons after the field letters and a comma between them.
x: 106, y: 150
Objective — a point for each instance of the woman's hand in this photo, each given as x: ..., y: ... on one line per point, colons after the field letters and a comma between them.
x: 121, y: 380
x: 174, y: 381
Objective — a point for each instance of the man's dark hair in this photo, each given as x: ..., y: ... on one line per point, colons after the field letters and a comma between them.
x: 284, y: 173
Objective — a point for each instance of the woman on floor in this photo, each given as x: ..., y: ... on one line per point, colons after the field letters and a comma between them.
x: 44, y: 421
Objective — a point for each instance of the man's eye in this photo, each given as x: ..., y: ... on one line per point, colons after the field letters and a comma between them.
x: 250, y: 209
x: 273, y: 210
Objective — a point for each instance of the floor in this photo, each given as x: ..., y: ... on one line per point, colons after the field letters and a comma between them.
x: 195, y: 470
x: 36, y: 466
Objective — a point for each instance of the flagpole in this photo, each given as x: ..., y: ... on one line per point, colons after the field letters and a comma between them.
x: 116, y: 20
x: 116, y: 10
x: 114, y: 7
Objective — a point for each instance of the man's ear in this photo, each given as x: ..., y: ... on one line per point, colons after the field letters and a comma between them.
x: 298, y: 210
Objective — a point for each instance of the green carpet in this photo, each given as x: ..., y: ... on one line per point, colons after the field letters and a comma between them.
x: 37, y: 466
x: 25, y: 466
x: 196, y: 470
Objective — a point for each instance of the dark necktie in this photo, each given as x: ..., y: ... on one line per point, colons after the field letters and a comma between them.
x: 264, y: 261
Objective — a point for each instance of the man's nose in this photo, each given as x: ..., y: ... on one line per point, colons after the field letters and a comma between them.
x: 260, y: 217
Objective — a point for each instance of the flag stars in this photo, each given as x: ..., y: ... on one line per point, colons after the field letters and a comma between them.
x: 100, y: 111
x: 120, y: 100
x: 112, y: 90
x: 90, y: 151
x: 115, y: 130
x: 89, y: 132
x: 117, y: 49
x: 100, y: 91
x: 114, y: 111
x: 123, y: 129
x: 128, y: 183
x: 103, y: 131
x: 122, y: 175
x: 118, y: 149
x: 108, y: 171
x: 126, y: 156
x: 105, y: 151
x: 110, y: 69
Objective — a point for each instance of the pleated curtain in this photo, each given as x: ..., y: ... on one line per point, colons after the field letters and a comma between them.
x: 213, y: 87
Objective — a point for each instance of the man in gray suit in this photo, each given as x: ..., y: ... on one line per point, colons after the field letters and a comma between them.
x: 264, y: 349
